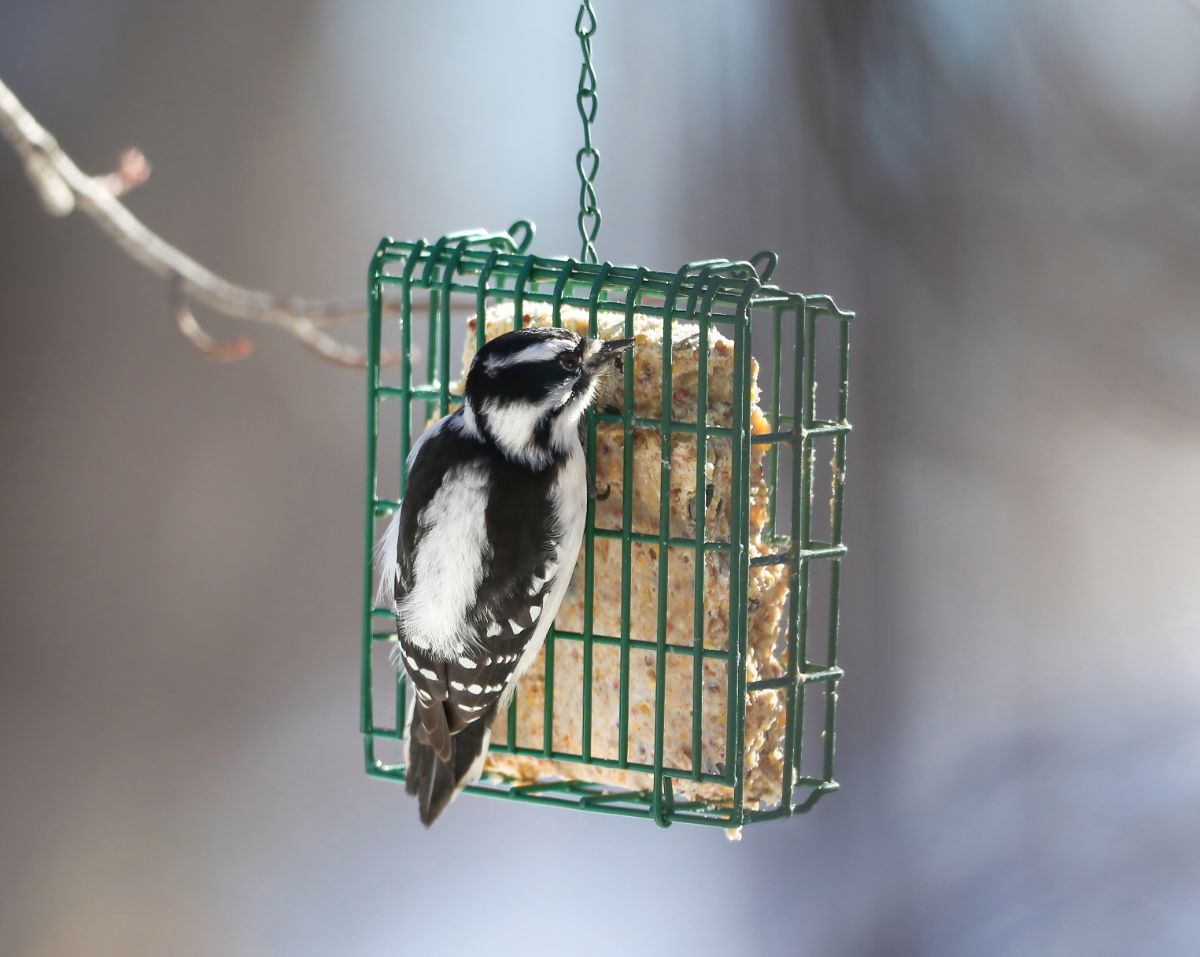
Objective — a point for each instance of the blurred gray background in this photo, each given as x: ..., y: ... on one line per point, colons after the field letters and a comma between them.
x: 1007, y: 192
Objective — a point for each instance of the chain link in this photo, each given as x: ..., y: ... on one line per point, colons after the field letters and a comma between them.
x: 587, y: 160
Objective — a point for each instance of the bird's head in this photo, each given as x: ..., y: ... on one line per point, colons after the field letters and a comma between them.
x: 527, y: 391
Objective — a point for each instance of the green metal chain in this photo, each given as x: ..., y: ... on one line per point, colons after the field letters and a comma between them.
x: 587, y: 160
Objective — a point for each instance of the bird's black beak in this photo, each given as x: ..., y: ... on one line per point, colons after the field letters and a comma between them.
x: 609, y: 353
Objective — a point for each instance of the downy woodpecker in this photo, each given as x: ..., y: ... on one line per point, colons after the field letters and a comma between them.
x: 477, y: 559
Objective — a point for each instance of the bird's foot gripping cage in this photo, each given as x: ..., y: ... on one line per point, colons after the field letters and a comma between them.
x: 692, y: 671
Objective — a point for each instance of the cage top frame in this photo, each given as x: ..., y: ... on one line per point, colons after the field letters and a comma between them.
x: 725, y: 288
x: 726, y: 291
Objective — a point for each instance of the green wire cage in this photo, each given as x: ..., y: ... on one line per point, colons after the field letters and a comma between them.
x: 704, y: 691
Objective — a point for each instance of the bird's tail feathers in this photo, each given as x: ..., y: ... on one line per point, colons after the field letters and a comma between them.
x: 435, y: 783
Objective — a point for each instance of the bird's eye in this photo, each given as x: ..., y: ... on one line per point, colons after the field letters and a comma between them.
x: 570, y: 362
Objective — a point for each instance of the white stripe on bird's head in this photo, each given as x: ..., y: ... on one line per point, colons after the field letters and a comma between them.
x: 528, y: 390
x: 513, y: 426
x: 543, y: 350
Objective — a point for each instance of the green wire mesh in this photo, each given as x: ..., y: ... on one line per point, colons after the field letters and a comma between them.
x: 801, y: 339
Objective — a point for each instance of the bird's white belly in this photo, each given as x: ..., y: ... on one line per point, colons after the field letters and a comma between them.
x: 569, y: 500
x: 449, y: 565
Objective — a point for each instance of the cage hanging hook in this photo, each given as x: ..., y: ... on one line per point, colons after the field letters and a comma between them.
x: 764, y: 264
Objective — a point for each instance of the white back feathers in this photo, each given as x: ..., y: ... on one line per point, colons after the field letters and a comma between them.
x: 447, y: 564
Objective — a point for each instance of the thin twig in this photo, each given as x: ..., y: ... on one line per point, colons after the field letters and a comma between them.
x: 195, y: 334
x: 63, y: 187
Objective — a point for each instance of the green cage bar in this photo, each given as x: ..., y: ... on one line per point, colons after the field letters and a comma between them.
x: 801, y: 341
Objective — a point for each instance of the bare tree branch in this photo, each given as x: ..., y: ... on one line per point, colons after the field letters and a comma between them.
x: 132, y: 170
x: 195, y: 334
x: 63, y: 187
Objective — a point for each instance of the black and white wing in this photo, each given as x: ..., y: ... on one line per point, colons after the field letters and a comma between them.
x: 476, y: 566
x: 456, y: 701
x: 455, y: 693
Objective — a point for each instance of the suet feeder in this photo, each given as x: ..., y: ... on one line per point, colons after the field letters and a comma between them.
x: 691, y: 674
